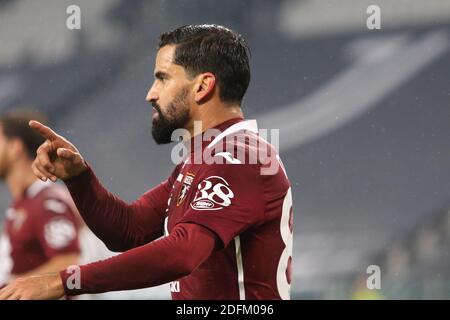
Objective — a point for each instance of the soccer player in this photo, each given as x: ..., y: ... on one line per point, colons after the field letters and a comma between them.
x: 227, y: 222
x: 41, y: 232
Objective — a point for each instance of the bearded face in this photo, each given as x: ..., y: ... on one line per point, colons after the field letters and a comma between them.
x: 174, y: 116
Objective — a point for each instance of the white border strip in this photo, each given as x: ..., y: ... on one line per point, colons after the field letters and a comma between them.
x: 240, y: 268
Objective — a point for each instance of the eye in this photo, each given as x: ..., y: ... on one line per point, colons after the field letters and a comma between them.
x: 161, y: 77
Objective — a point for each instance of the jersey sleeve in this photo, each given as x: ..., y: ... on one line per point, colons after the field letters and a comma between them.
x: 146, y: 266
x: 56, y: 228
x: 121, y: 226
x: 229, y: 199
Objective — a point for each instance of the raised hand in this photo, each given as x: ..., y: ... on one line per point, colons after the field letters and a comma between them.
x: 56, y: 157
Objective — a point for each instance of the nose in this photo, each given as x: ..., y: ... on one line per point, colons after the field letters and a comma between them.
x: 152, y: 94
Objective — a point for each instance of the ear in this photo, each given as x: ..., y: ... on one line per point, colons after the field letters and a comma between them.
x: 205, y: 85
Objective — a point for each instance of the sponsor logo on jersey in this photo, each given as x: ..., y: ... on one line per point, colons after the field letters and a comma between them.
x: 214, y: 193
x: 185, y: 187
x: 204, y: 204
x: 228, y: 157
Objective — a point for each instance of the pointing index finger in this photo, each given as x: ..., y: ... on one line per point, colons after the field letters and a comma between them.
x: 45, y: 131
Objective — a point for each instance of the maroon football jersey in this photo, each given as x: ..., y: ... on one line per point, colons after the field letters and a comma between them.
x: 40, y: 225
x: 249, y: 209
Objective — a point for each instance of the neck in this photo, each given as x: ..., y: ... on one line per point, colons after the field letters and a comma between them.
x: 212, y: 115
x: 20, y: 178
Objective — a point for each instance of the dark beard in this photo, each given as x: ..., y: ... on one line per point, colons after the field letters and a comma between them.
x: 177, y: 117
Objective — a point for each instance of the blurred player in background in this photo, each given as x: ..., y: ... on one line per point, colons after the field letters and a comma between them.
x: 40, y: 234
x: 228, y: 226
x: 43, y: 231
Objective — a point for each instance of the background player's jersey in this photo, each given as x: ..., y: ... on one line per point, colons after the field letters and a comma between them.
x: 250, y: 212
x: 39, y: 226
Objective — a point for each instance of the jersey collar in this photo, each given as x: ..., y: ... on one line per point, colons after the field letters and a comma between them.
x: 243, y: 125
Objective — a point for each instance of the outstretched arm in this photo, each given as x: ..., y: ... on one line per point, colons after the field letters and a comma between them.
x: 161, y: 261
x: 119, y: 225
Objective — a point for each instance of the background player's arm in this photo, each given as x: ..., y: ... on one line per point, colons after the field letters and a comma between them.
x: 55, y: 228
x: 55, y: 264
x: 119, y: 225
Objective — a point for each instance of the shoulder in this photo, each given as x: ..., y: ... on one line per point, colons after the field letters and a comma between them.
x: 53, y: 200
x: 53, y: 215
x: 245, y: 152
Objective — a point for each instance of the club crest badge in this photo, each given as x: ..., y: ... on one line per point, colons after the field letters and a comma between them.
x: 185, y: 187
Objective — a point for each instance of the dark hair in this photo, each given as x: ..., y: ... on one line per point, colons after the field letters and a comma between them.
x: 15, y: 125
x: 215, y: 49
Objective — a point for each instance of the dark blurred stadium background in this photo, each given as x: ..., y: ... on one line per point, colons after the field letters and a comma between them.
x: 364, y: 118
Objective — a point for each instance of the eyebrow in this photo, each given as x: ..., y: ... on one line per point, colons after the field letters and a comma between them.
x: 161, y: 75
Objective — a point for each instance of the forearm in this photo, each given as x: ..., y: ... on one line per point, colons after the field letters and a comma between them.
x: 116, y: 223
x: 158, y: 262
x: 55, y: 264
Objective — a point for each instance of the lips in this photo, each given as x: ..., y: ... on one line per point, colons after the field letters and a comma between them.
x: 155, y: 115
